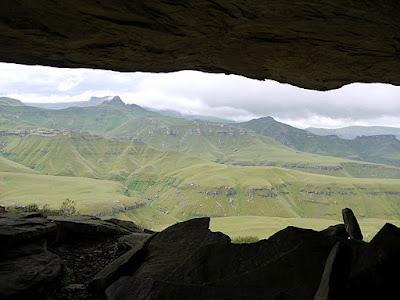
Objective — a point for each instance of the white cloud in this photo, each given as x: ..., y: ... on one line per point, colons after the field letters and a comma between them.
x: 226, y: 96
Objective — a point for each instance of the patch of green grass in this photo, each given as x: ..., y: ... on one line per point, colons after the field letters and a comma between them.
x: 91, y: 196
x: 245, y: 239
x: 179, y: 186
x: 264, y: 227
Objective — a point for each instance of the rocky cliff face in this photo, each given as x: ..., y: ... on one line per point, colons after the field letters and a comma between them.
x: 88, y: 258
x: 312, y: 44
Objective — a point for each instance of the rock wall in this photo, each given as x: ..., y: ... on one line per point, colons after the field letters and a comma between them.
x: 313, y: 44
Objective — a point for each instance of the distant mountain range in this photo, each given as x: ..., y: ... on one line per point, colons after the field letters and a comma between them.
x: 352, y: 132
x: 177, y: 114
x: 112, y: 118
x: 175, y: 168
x: 378, y: 148
x: 93, y: 101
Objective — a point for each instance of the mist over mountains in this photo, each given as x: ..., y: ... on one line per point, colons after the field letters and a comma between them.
x: 93, y: 101
x: 349, y: 132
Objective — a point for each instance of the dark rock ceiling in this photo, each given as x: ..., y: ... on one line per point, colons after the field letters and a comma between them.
x: 317, y: 44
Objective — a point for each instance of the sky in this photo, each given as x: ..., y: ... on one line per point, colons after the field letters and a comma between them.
x: 226, y: 96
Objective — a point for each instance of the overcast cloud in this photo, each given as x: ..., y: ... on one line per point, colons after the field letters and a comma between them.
x: 226, y: 96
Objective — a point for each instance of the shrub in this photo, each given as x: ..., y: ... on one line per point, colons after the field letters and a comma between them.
x: 68, y: 207
x: 45, y: 209
x: 31, y: 208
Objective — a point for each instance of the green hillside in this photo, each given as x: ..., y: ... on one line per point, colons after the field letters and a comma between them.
x: 91, y: 196
x: 379, y: 149
x: 177, y: 186
x: 97, y: 119
x: 122, y: 160
x: 5, y: 101
x: 86, y: 155
x: 351, y: 132
x: 208, y: 140
x: 220, y: 190
x: 10, y: 166
x: 264, y: 227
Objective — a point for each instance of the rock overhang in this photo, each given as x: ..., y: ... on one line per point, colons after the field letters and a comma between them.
x: 312, y: 44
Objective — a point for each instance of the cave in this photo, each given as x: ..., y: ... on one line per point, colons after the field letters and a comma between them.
x: 311, y: 44
x: 318, y: 45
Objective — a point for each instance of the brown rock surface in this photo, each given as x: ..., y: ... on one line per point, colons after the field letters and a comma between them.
x: 316, y: 44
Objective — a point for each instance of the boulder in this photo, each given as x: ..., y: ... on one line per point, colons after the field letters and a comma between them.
x: 387, y: 240
x: 25, y: 228
x: 386, y: 246
x: 123, y: 264
x: 86, y: 226
x: 373, y: 269
x: 188, y: 261
x: 336, y: 273
x: 132, y: 240
x: 130, y: 226
x: 352, y: 227
x: 338, y: 230
x: 28, y: 276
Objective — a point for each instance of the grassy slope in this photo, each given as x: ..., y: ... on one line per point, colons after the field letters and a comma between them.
x: 84, y: 155
x: 378, y: 149
x: 212, y: 141
x: 227, y: 144
x: 179, y: 186
x: 10, y: 166
x: 352, y: 132
x: 91, y: 196
x: 220, y: 190
x: 264, y: 227
x: 182, y: 186
x: 98, y: 119
x: 257, y: 226
x: 5, y: 101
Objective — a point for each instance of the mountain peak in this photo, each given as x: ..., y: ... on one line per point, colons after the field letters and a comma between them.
x: 116, y: 100
x: 10, y: 102
x: 267, y: 118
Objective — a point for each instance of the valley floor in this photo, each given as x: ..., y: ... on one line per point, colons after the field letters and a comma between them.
x: 264, y: 227
x: 259, y: 227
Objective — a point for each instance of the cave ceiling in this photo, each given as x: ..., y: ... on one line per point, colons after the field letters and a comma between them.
x: 312, y: 44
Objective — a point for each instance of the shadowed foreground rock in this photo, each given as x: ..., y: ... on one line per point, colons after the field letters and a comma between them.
x: 336, y: 273
x: 351, y: 224
x: 35, y: 250
x: 188, y: 261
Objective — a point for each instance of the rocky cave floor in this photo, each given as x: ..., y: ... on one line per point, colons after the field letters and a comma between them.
x: 81, y: 260
x: 82, y: 257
